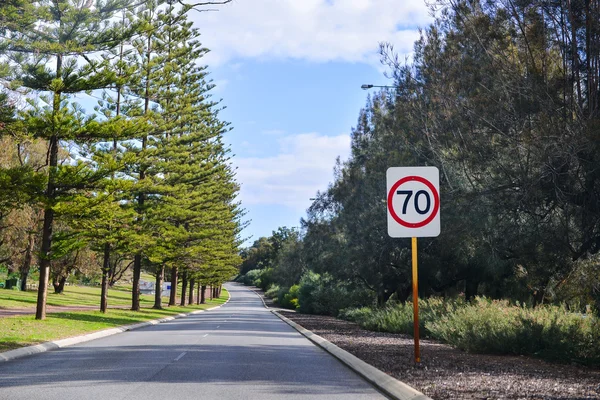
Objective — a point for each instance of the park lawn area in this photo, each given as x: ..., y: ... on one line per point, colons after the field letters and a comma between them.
x: 72, y: 296
x: 24, y: 330
x: 75, y: 296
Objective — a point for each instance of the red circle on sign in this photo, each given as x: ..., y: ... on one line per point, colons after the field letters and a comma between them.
x: 436, y: 202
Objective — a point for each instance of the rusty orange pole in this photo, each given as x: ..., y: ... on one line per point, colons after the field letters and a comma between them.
x: 415, y: 290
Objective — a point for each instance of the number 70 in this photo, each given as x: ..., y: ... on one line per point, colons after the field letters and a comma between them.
x: 419, y: 193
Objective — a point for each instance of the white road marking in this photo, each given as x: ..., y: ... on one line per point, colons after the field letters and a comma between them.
x: 205, y: 335
x: 180, y: 356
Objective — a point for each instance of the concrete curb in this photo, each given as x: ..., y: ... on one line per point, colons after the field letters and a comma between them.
x: 386, y: 384
x: 260, y: 297
x: 57, y: 344
x: 257, y: 292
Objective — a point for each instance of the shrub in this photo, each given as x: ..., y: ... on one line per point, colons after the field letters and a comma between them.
x: 273, y: 292
x: 250, y: 278
x: 495, y: 326
x: 357, y: 315
x: 265, y: 279
x: 492, y: 326
x: 482, y: 326
x: 398, y: 317
x: 289, y: 298
x: 321, y: 294
x: 394, y: 318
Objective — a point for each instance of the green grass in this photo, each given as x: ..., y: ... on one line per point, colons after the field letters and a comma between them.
x: 22, y: 331
x: 77, y: 296
x: 72, y: 296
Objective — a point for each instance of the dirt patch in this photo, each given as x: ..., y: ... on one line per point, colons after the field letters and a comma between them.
x: 447, y: 373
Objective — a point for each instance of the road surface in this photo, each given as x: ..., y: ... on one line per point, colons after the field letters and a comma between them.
x: 239, y: 351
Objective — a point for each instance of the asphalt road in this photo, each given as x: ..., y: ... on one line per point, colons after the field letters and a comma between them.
x: 239, y: 351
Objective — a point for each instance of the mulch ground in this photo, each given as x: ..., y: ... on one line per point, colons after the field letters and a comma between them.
x: 447, y: 373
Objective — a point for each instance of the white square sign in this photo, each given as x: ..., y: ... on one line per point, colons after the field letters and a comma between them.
x: 413, y: 201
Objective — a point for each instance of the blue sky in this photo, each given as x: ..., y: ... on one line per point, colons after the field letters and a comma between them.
x: 289, y: 73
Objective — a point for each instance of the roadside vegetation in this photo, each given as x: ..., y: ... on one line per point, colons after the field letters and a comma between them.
x: 503, y: 98
x: 493, y: 327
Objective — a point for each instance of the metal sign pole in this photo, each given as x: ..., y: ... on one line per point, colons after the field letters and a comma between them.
x: 415, y: 279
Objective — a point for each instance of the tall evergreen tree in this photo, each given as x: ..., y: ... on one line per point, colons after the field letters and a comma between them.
x: 56, y: 57
x: 195, y: 207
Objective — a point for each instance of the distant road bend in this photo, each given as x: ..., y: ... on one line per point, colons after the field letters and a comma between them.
x: 239, y: 351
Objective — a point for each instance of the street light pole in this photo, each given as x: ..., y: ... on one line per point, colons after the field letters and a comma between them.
x: 369, y: 86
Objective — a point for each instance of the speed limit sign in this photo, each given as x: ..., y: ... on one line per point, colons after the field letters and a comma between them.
x: 413, y: 205
x: 413, y: 201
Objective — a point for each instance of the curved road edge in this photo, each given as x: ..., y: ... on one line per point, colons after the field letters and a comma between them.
x: 57, y: 344
x: 389, y: 386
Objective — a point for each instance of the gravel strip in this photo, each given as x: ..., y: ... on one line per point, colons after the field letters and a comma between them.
x: 447, y: 373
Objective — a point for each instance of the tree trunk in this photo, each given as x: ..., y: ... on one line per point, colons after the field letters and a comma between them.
x: 203, y: 295
x: 402, y: 292
x: 112, y: 274
x: 173, y: 294
x: 59, y: 284
x: 40, y: 312
x: 212, y: 292
x: 383, y: 296
x: 23, y: 276
x: 137, y: 260
x: 135, y: 290
x: 198, y: 293
x: 191, y: 295
x: 158, y: 288
x: 24, y: 270
x: 538, y: 297
x: 105, y: 272
x: 184, y: 283
x: 471, y: 286
x: 220, y: 290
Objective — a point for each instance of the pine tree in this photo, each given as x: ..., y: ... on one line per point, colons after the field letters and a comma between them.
x: 142, y: 153
x: 55, y: 57
x: 115, y: 103
x: 197, y: 186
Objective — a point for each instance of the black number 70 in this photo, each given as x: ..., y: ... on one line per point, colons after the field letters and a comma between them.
x: 409, y: 194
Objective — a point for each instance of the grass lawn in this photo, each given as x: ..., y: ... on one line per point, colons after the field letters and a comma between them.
x: 76, y: 296
x: 72, y: 296
x: 22, y: 331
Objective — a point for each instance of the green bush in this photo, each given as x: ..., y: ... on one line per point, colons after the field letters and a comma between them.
x: 265, y: 279
x: 250, y: 278
x: 288, y: 298
x: 398, y: 317
x: 482, y: 326
x: 358, y: 315
x: 273, y: 292
x: 492, y: 326
x: 321, y: 294
x: 495, y: 326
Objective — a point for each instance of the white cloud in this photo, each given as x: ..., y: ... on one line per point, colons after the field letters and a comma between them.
x: 303, y: 166
x: 314, y: 30
x: 273, y: 132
